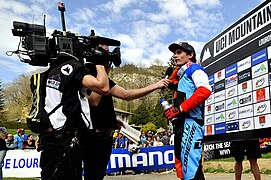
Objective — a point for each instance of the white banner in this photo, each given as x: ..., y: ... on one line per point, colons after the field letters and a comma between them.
x: 21, y: 163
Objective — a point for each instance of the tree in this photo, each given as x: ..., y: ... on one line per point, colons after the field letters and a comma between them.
x: 142, y: 115
x: 160, y: 121
x: 148, y: 127
x: 18, y: 98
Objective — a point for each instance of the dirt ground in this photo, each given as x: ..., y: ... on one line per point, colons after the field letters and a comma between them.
x: 263, y: 164
x: 172, y: 176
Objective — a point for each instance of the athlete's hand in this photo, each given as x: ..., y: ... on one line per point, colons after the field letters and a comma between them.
x: 171, y: 113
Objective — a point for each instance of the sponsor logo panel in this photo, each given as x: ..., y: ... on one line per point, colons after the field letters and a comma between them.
x: 219, y: 96
x: 210, y: 100
x: 260, y: 82
x: 269, y: 62
x: 244, y: 64
x: 231, y: 92
x: 209, y: 130
x: 245, y: 99
x: 262, y: 108
x: 263, y: 121
x: 258, y: 57
x: 246, y: 124
x: 220, y: 106
x: 209, y: 120
x: 232, y: 103
x: 209, y: 109
x: 220, y: 117
x: 231, y: 70
x: 245, y: 112
x: 261, y: 95
x: 231, y: 81
x: 211, y: 79
x: 220, y: 75
x: 220, y: 128
x: 245, y: 87
x: 232, y: 127
x: 269, y: 52
x: 232, y: 115
x: 244, y: 76
x: 259, y: 69
x: 219, y: 86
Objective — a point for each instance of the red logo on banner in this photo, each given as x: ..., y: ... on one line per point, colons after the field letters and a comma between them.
x: 219, y: 74
x: 244, y: 86
x: 260, y: 95
x: 209, y: 130
x: 209, y: 108
x: 262, y: 120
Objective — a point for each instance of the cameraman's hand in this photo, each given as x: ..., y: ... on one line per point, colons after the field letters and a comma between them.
x: 171, y: 113
x: 99, y: 60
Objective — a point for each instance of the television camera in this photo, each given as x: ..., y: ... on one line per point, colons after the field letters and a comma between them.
x: 41, y: 50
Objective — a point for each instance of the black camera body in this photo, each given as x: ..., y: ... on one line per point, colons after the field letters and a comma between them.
x: 41, y: 50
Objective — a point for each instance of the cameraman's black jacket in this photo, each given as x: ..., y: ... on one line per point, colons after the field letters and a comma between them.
x: 64, y: 84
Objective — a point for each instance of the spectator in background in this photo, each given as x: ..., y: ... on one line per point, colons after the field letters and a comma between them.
x: 19, y: 137
x: 171, y: 141
x: 121, y: 141
x: 250, y: 148
x: 157, y: 141
x: 29, y: 143
x: 149, y: 142
x: 143, y: 139
x: 165, y: 138
x: 11, y: 142
x: 3, y: 147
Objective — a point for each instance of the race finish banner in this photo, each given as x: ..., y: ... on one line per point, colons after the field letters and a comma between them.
x: 238, y: 63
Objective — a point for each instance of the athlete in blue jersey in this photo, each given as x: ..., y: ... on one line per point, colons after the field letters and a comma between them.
x: 192, y: 90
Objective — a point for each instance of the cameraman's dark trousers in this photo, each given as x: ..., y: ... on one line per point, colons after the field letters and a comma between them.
x: 96, y: 153
x: 60, y: 158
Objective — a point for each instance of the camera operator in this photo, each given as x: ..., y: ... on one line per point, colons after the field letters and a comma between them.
x: 61, y: 145
x: 97, y: 151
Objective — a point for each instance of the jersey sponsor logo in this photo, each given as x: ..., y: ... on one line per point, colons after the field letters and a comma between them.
x: 53, y: 83
x: 67, y: 69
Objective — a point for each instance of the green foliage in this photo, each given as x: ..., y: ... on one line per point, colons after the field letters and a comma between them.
x: 266, y: 156
x: 142, y: 115
x: 148, y: 127
x: 13, y: 124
